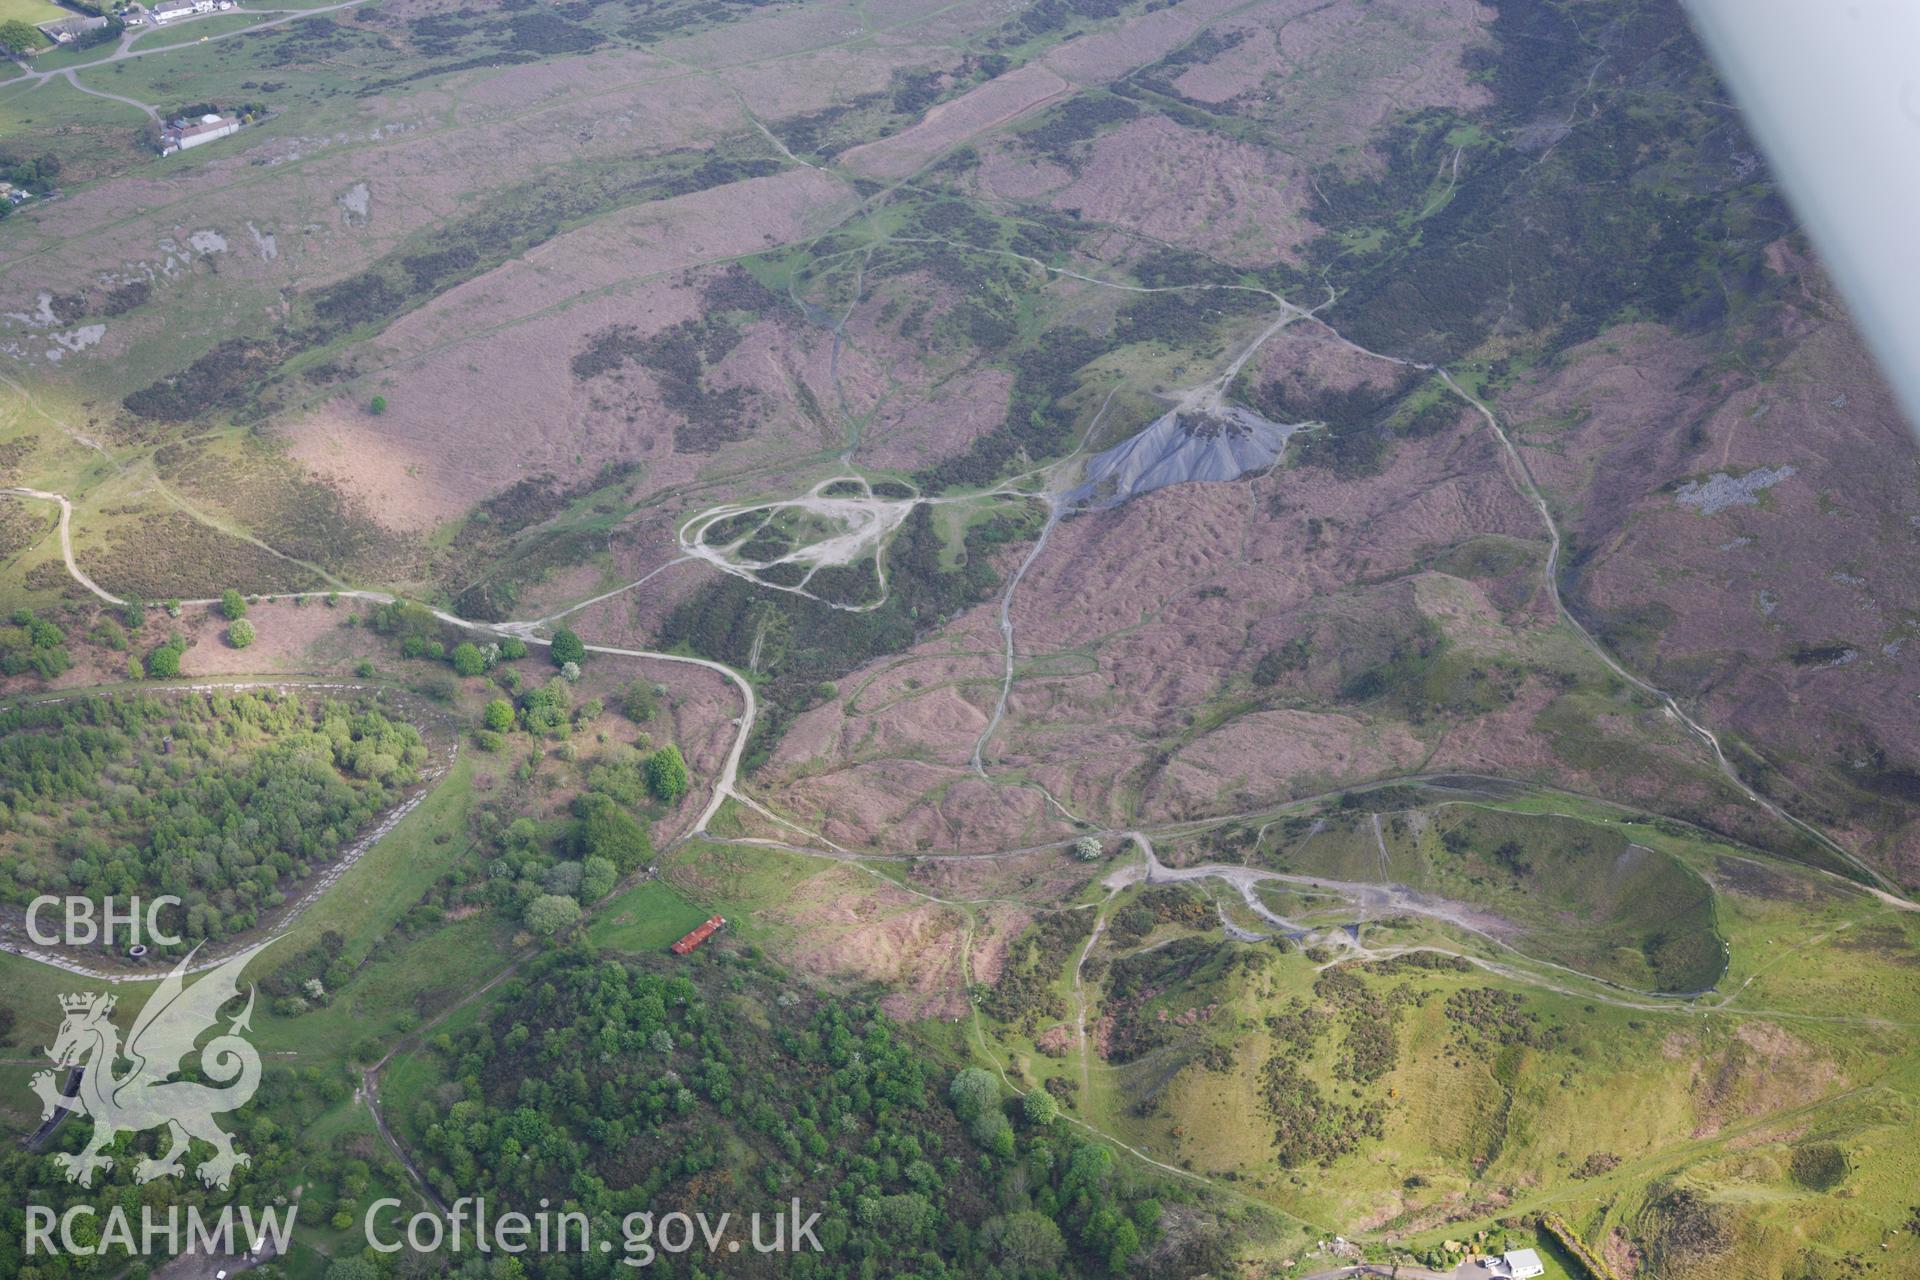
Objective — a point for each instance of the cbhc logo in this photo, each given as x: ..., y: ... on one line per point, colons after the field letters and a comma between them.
x: 83, y: 928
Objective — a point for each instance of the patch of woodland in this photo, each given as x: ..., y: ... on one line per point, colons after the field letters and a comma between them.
x: 222, y: 799
x: 721, y: 1067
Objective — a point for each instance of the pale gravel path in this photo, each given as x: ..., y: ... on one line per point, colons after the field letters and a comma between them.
x: 74, y: 80
x: 66, y: 541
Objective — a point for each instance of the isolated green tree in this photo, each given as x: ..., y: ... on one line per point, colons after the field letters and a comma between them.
x: 377, y: 406
x: 546, y: 708
x: 240, y: 633
x: 972, y: 1093
x: 1039, y: 1108
x: 667, y: 774
x: 1026, y: 1243
x: 567, y: 647
x: 498, y: 716
x: 233, y: 605
x: 513, y: 648
x: 638, y: 701
x: 163, y: 663
x: 467, y: 659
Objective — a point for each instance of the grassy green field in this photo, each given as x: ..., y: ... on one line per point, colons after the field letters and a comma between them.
x: 647, y: 917
x: 186, y: 33
x: 32, y: 12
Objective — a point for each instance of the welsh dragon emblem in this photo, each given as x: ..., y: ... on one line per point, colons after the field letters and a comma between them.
x: 144, y: 1096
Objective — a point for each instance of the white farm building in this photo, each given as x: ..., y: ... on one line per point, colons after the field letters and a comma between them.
x: 179, y: 135
x: 168, y: 10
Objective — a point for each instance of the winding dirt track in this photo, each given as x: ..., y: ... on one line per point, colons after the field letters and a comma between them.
x: 66, y: 541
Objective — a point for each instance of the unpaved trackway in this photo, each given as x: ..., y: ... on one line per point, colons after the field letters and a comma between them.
x: 370, y: 1080
x: 1080, y: 995
x: 151, y: 113
x: 1394, y: 898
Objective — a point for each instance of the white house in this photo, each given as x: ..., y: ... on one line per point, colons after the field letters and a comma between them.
x: 1521, y: 1264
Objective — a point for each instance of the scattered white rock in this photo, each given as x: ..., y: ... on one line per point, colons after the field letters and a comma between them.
x: 1720, y: 490
x: 263, y: 241
x: 355, y: 203
x: 40, y: 316
x: 87, y: 335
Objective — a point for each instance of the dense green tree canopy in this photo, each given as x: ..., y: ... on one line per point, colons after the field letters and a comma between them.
x: 220, y: 799
x: 567, y: 647
x: 667, y: 774
x: 467, y: 659
x: 621, y: 1084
